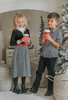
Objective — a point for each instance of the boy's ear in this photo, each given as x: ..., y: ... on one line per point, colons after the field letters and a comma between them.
x: 57, y: 22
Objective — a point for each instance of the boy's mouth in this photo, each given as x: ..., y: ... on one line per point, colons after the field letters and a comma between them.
x: 49, y: 25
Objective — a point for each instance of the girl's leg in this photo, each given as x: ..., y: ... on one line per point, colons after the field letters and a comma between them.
x: 16, y: 88
x: 15, y: 80
x: 23, y: 85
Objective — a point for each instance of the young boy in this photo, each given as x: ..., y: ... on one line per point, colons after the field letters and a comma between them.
x: 49, y: 53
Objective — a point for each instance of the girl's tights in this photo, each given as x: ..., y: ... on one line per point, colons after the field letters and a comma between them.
x: 16, y: 80
x: 23, y: 80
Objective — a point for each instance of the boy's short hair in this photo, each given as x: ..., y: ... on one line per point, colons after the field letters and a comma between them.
x: 54, y: 15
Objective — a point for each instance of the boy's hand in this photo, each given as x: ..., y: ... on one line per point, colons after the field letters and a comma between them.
x: 47, y: 37
x: 43, y: 35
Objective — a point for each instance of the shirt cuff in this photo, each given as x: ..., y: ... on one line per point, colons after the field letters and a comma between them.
x: 18, y: 41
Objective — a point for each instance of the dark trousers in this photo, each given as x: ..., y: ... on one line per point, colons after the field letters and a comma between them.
x: 50, y: 63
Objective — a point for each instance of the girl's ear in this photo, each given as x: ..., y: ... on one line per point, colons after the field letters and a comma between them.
x: 15, y: 23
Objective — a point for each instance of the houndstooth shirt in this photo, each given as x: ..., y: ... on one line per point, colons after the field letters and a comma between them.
x: 49, y: 50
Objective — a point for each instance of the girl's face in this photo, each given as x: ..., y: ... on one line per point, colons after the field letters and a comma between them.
x: 20, y: 22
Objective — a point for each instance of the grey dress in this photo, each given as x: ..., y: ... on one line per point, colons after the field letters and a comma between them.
x: 21, y: 61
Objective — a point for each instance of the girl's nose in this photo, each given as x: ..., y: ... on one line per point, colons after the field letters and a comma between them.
x: 20, y: 23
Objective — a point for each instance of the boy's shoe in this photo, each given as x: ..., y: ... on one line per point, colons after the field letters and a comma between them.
x: 49, y: 93
x: 24, y: 90
x: 17, y: 90
x: 32, y: 90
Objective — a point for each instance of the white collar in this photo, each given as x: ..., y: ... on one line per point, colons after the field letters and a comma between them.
x: 21, y: 29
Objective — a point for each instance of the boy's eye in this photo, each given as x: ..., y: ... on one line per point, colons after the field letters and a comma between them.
x: 52, y: 21
x: 48, y: 20
x: 22, y: 21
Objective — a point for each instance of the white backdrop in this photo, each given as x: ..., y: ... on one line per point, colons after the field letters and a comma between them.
x: 43, y: 5
x: 1, y: 44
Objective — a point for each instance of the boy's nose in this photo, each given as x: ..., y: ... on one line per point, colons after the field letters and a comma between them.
x: 50, y: 22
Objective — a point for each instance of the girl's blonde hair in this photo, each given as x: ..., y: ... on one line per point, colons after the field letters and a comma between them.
x: 19, y: 15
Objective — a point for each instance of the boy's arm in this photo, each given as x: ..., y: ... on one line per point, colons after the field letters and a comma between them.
x: 55, y: 43
x: 42, y: 41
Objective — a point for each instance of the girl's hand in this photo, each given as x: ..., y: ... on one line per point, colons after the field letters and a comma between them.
x: 23, y: 39
x: 28, y: 40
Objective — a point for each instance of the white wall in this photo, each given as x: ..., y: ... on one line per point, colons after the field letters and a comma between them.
x: 1, y: 45
x: 43, y: 5
x: 60, y: 5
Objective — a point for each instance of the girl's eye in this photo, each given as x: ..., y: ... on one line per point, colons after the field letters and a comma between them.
x: 22, y: 21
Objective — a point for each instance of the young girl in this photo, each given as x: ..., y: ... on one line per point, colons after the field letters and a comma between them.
x: 21, y: 61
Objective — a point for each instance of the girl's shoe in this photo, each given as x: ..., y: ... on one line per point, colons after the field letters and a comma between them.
x: 17, y: 90
x: 23, y: 89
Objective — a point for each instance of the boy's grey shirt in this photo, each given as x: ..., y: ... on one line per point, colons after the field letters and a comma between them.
x: 49, y: 50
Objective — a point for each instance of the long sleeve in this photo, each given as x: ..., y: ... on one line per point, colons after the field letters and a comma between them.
x: 12, y: 40
x: 18, y: 41
x: 30, y: 40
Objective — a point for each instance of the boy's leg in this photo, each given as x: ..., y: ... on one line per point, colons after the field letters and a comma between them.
x: 41, y: 69
x: 50, y: 67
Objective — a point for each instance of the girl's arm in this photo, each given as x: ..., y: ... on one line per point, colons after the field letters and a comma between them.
x: 24, y: 38
x: 12, y: 40
x: 29, y: 40
x: 21, y: 40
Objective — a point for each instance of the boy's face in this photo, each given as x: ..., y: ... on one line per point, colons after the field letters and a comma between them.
x: 52, y: 23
